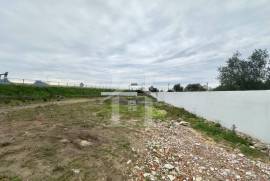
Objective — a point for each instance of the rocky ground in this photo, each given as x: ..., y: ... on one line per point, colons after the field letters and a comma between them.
x: 176, y: 152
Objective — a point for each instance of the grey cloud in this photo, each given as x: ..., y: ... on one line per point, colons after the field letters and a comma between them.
x: 105, y: 41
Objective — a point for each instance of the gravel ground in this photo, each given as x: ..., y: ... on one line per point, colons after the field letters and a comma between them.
x: 176, y: 152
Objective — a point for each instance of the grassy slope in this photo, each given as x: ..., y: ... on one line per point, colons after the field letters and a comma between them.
x: 27, y: 92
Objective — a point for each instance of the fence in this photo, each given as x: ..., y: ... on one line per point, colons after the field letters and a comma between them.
x: 63, y: 83
x: 248, y: 110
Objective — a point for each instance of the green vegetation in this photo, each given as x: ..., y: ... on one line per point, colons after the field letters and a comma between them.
x: 6, y: 177
x: 28, y: 92
x: 213, y: 130
x: 158, y: 113
x: 178, y: 88
x: 250, y: 74
x: 194, y: 87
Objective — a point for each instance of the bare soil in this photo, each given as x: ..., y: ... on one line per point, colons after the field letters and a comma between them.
x: 43, y: 142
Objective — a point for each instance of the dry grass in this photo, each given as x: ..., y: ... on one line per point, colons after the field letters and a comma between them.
x: 43, y: 143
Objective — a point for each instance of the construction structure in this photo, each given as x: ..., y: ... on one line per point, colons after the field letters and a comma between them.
x: 4, y: 80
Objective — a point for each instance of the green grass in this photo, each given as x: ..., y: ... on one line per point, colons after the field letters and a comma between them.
x: 213, y: 130
x: 28, y: 92
x: 6, y: 177
x: 159, y: 114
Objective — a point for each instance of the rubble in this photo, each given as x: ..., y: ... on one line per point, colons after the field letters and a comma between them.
x: 179, y: 153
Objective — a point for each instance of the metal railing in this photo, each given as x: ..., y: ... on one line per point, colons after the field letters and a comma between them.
x: 59, y: 83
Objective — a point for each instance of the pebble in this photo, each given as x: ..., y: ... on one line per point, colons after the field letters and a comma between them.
x: 85, y: 143
x: 184, y: 123
x: 171, y: 177
x: 64, y: 141
x: 198, y: 179
x: 241, y: 155
x: 168, y: 166
x: 128, y: 162
x: 76, y: 171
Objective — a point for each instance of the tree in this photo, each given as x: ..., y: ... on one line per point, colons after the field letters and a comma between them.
x: 178, y: 88
x: 153, y: 89
x: 241, y: 74
x: 258, y: 68
x: 194, y: 87
x: 231, y: 76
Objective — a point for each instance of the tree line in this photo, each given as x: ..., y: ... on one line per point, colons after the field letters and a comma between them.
x: 179, y: 88
x: 252, y: 73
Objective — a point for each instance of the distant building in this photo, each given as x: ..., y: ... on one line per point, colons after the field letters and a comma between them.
x: 134, y: 86
x: 40, y: 83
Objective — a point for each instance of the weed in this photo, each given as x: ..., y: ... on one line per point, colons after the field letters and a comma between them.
x: 159, y: 113
x: 6, y: 177
x: 46, y: 151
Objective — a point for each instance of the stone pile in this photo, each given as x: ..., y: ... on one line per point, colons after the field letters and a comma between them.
x: 176, y: 152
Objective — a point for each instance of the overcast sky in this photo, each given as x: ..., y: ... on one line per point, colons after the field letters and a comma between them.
x: 104, y: 41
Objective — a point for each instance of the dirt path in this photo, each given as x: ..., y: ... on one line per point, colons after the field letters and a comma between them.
x: 31, y: 106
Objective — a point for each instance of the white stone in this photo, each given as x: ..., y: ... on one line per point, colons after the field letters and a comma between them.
x: 128, y: 162
x: 156, y: 160
x: 171, y: 177
x: 84, y: 143
x: 237, y: 177
x: 64, y: 141
x: 241, y: 155
x: 146, y: 175
x: 168, y: 166
x: 184, y: 123
x: 76, y: 171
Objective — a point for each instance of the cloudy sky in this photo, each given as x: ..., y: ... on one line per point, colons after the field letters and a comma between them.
x: 122, y: 41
